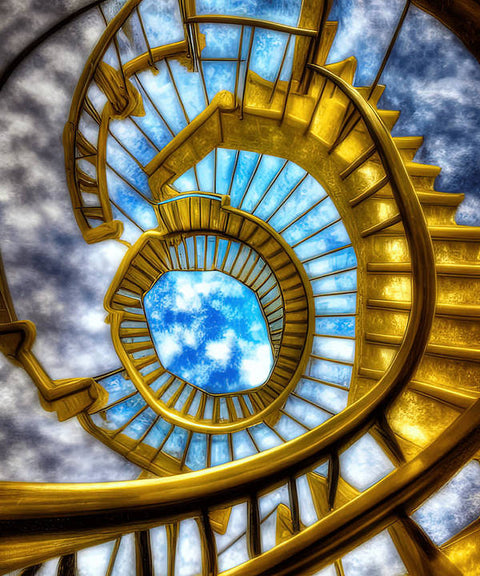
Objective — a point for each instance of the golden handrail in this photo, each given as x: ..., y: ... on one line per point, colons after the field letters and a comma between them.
x: 99, y: 510
x: 71, y: 126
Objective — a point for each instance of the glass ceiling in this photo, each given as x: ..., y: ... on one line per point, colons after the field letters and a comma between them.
x: 209, y: 329
x: 282, y: 11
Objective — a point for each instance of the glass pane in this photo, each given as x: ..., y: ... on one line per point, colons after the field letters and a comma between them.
x: 220, y: 449
x: 264, y: 437
x: 121, y: 413
x: 325, y: 264
x: 158, y: 433
x: 117, y: 386
x: 453, y: 507
x: 307, y: 509
x: 304, y: 412
x: 94, y: 561
x: 125, y: 560
x: 158, y: 544
x: 336, y: 283
x: 341, y: 304
x: 219, y: 76
x: 329, y: 372
x: 161, y: 26
x: 242, y: 445
x: 328, y: 397
x: 140, y: 425
x: 335, y: 326
x: 334, y: 348
x: 244, y: 171
x: 377, y: 557
x: 269, y: 502
x: 364, y: 463
x: 197, y: 452
x: 222, y: 40
x: 288, y: 428
x: 282, y: 11
x: 175, y: 445
x: 189, y: 550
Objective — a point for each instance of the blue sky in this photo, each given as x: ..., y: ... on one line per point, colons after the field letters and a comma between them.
x: 208, y: 328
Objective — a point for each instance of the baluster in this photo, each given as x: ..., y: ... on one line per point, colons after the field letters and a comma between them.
x: 253, y: 527
x: 67, y: 565
x: 143, y: 554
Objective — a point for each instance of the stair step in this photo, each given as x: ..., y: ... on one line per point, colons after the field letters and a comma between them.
x: 452, y: 270
x: 345, y: 69
x: 389, y: 117
x: 450, y: 352
x: 433, y: 198
x: 408, y: 146
x: 456, y: 398
x: 375, y: 96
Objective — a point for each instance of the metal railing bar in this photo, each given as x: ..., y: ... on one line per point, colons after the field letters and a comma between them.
x: 269, y: 187
x: 128, y: 183
x: 287, y: 197
x: 304, y: 213
x: 390, y: 48
x: 247, y: 66
x: 122, y: 211
x: 144, y: 134
x: 277, y: 78
x: 245, y: 21
x: 149, y: 49
x: 250, y: 180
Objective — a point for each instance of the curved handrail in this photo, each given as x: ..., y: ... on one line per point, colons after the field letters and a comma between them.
x: 417, y: 478
x: 70, y: 130
x: 253, y: 22
x: 36, y: 42
x: 279, y: 396
x: 377, y: 508
x: 98, y: 506
x: 111, y: 228
x: 150, y: 502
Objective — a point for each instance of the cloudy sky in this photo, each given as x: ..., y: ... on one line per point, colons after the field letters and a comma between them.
x: 59, y: 281
x: 199, y: 334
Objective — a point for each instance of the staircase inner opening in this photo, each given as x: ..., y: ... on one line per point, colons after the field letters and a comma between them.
x: 209, y: 329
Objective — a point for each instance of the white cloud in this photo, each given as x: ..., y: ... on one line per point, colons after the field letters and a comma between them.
x: 187, y: 298
x: 191, y: 290
x: 191, y: 337
x: 220, y: 351
x: 256, y: 363
x: 169, y: 347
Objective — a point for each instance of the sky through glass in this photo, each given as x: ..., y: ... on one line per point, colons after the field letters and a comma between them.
x: 209, y: 329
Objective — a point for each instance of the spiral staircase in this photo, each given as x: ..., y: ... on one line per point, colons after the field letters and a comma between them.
x: 293, y: 185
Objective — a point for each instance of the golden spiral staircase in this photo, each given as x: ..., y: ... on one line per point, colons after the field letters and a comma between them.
x: 347, y: 231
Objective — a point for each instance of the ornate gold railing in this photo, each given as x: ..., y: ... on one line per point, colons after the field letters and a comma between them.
x: 65, y: 518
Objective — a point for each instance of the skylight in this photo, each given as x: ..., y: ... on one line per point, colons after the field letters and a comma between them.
x: 208, y: 328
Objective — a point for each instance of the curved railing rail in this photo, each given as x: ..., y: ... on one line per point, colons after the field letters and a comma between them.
x: 101, y: 511
x: 77, y: 180
x: 291, y: 303
x: 108, y: 229
x: 62, y: 518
